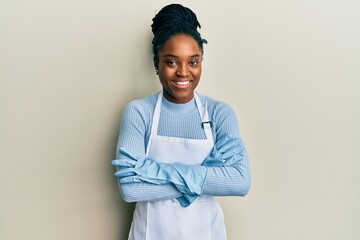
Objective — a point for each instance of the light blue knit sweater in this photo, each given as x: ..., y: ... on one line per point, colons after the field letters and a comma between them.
x: 181, y: 120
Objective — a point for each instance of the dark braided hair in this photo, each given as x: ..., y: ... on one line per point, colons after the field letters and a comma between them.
x: 171, y: 20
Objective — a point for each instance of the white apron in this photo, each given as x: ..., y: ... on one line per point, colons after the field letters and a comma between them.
x: 167, y: 219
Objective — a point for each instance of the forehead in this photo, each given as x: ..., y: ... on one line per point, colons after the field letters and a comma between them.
x: 181, y: 45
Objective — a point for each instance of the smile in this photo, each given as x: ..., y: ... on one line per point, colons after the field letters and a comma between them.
x: 182, y: 83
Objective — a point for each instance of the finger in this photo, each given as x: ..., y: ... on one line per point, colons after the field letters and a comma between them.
x: 229, y: 145
x: 187, y: 199
x: 212, y: 163
x: 221, y: 142
x: 130, y: 179
x: 154, y: 180
x: 228, y: 139
x: 236, y: 150
x: 125, y: 172
x: 124, y: 162
x: 138, y: 178
x: 184, y: 202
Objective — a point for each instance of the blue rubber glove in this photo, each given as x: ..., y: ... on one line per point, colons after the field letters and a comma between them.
x: 226, y: 152
x: 187, y: 199
x: 188, y: 179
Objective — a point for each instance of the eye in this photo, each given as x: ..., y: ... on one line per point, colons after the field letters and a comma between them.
x: 171, y: 62
x: 194, y: 63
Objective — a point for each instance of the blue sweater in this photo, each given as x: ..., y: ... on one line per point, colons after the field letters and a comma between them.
x: 181, y: 120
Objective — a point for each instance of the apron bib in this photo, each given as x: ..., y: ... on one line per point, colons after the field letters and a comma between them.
x: 167, y: 219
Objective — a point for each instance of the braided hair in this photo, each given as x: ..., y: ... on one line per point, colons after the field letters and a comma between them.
x: 171, y: 20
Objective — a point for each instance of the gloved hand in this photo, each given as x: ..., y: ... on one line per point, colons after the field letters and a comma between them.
x: 186, y: 199
x: 188, y: 179
x: 226, y: 152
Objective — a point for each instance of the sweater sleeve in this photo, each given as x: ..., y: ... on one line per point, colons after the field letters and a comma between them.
x: 232, y: 180
x: 135, y: 121
x: 228, y: 180
x: 220, y: 181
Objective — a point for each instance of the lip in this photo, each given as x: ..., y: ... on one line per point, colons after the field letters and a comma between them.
x: 181, y: 84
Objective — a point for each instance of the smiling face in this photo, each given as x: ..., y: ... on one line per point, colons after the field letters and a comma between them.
x: 179, y: 66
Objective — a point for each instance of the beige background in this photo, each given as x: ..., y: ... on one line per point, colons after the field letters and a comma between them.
x: 290, y: 70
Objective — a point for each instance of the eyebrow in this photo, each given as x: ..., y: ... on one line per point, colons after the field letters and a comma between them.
x: 174, y: 56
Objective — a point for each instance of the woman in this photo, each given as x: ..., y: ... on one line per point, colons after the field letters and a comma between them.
x: 177, y: 149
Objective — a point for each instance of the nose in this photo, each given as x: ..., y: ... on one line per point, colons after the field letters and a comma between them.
x: 183, y: 71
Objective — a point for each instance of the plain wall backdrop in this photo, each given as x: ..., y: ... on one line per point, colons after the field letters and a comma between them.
x: 290, y: 70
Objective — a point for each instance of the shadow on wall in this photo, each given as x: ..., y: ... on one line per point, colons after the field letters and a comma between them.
x: 126, y: 215
x: 143, y: 82
x: 144, y: 79
x: 121, y: 211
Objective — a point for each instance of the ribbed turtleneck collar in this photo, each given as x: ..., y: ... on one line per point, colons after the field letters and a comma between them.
x: 178, y: 108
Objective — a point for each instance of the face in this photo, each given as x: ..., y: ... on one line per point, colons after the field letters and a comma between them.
x: 179, y: 67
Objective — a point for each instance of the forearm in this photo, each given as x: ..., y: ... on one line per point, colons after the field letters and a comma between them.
x: 138, y: 192
x: 228, y: 180
x: 220, y: 181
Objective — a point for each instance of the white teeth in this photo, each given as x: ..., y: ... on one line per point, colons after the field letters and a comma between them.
x: 182, y: 83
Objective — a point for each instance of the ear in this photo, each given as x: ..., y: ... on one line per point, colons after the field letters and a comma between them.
x: 156, y: 62
x: 156, y: 65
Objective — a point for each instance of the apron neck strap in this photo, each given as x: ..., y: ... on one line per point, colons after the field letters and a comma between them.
x: 206, y: 124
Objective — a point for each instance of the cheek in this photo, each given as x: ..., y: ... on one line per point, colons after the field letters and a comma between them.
x: 166, y: 72
x: 164, y: 76
x: 197, y: 72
